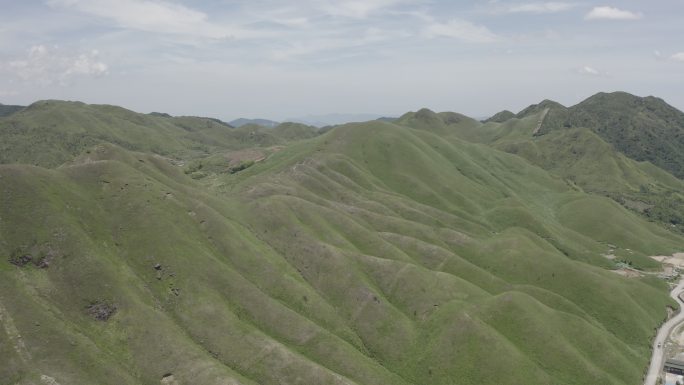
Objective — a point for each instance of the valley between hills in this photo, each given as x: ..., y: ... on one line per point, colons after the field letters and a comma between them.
x: 428, y: 249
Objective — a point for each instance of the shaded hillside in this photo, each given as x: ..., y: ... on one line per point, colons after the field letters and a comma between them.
x: 500, y: 117
x: 6, y: 110
x: 373, y: 254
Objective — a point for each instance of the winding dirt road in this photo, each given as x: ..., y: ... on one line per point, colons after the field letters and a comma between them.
x: 658, y: 358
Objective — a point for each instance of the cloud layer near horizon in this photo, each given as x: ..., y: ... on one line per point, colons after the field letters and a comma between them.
x: 612, y: 13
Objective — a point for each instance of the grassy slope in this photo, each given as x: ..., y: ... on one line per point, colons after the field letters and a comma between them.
x: 374, y: 254
x: 582, y: 157
x: 500, y: 117
x: 6, y: 110
x: 644, y: 129
x: 579, y: 155
x: 49, y: 133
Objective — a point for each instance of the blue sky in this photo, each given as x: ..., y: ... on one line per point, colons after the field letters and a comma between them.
x: 282, y: 59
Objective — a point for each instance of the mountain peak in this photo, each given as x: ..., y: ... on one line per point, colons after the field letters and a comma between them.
x: 261, y: 122
x: 544, y: 104
x: 500, y: 117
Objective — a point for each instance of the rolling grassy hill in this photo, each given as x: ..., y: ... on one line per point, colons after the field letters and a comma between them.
x: 260, y: 122
x: 578, y: 155
x: 6, y: 110
x: 49, y: 133
x: 500, y: 117
x: 376, y: 253
x: 581, y: 156
x: 644, y: 129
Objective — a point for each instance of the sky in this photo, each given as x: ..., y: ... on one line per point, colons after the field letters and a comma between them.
x: 282, y: 59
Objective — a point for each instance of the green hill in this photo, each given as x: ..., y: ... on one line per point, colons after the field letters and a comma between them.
x: 6, y: 110
x: 373, y: 254
x: 294, y: 131
x: 49, y: 133
x: 260, y: 122
x: 644, y: 129
x: 581, y: 155
x: 500, y: 117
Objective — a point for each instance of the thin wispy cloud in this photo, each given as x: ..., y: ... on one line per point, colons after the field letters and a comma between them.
x: 589, y: 71
x: 679, y: 56
x: 461, y: 30
x: 5, y: 93
x: 153, y: 16
x: 611, y: 13
x: 297, y: 49
x: 44, y: 66
x: 359, y: 9
x: 538, y: 7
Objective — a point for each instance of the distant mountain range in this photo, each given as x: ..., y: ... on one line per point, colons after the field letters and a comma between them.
x: 334, y: 119
x: 260, y: 122
x: 319, y: 121
x: 643, y: 128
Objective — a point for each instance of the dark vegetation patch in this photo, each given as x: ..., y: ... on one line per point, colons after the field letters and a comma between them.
x: 39, y: 256
x: 101, y: 310
x: 644, y: 129
x: 6, y: 110
x: 20, y: 260
x: 240, y: 167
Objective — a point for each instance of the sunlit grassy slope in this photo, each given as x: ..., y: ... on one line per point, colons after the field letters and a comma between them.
x: 578, y: 155
x: 373, y: 254
x: 51, y: 132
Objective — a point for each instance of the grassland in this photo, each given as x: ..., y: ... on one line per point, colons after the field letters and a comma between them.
x: 644, y: 129
x: 578, y: 155
x: 6, y: 110
x: 376, y: 253
x: 49, y: 133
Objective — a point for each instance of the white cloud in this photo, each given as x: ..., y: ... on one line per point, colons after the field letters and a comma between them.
x: 461, y: 30
x: 610, y: 13
x: 590, y: 71
x: 679, y: 56
x: 152, y: 16
x: 359, y: 9
x: 541, y: 7
x: 48, y: 65
x: 348, y: 46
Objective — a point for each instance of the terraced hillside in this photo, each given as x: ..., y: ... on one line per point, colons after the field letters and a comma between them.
x: 373, y: 254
